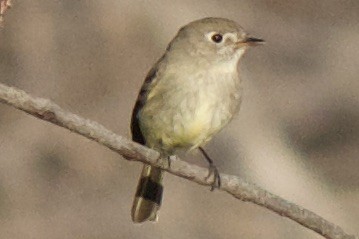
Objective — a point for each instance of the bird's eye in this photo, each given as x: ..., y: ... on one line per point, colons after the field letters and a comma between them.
x: 217, y: 38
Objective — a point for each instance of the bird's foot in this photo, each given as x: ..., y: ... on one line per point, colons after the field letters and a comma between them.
x: 169, y: 160
x: 212, y: 170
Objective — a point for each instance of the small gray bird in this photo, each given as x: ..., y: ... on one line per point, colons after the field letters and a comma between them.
x: 188, y: 96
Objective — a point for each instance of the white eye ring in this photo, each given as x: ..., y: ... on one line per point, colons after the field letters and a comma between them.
x: 219, y: 38
x: 215, y: 37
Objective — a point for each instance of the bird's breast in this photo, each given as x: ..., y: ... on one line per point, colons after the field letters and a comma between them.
x: 186, y: 112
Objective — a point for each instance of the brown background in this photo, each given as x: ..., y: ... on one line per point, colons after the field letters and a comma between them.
x: 296, y: 135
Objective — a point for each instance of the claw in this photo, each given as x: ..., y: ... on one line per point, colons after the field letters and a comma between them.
x: 216, y: 177
x: 169, y: 161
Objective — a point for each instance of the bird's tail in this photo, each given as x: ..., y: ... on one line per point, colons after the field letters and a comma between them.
x: 148, y: 195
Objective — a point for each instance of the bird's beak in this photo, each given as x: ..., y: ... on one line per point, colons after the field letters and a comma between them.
x: 250, y: 41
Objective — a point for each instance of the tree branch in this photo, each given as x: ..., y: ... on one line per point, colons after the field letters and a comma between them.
x: 245, y: 191
x: 4, y: 6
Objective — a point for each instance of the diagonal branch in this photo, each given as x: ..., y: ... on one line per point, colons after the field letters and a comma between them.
x: 4, y: 6
x: 245, y: 191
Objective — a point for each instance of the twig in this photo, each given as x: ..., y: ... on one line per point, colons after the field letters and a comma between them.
x: 4, y: 6
x: 245, y: 191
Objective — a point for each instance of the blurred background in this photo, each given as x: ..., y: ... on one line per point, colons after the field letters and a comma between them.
x: 296, y: 134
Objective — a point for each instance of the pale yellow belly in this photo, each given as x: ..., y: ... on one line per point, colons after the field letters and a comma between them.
x: 185, y: 126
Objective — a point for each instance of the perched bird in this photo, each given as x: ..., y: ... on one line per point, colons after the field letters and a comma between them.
x: 190, y: 94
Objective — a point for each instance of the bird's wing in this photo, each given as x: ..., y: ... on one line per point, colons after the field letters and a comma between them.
x: 148, y: 84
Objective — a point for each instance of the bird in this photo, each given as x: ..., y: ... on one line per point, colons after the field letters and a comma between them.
x: 190, y: 94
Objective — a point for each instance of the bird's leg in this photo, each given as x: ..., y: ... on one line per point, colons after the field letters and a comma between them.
x: 169, y: 160
x: 165, y: 158
x: 212, y: 170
